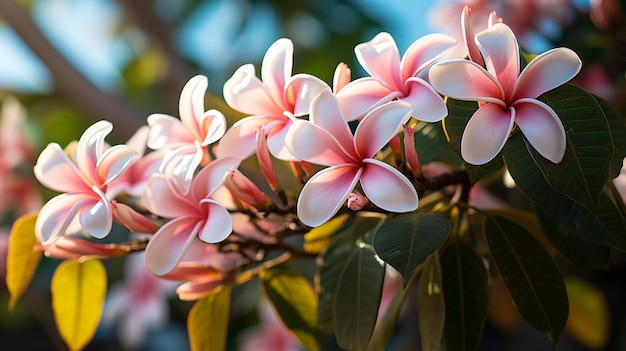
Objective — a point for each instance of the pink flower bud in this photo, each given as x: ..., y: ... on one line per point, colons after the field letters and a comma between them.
x: 196, y: 289
x: 410, y: 153
x: 265, y: 161
x: 69, y: 247
x: 243, y: 189
x: 341, y: 77
x: 131, y: 219
x: 356, y: 201
x: 396, y: 149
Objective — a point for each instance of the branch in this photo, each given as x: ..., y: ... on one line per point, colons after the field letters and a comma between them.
x: 69, y: 82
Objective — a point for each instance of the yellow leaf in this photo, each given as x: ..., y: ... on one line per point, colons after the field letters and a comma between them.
x: 78, y: 290
x: 588, y: 321
x: 318, y: 239
x: 22, y: 258
x: 207, y: 323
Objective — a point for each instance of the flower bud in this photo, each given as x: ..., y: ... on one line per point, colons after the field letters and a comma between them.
x: 265, y: 161
x: 410, y: 153
x: 341, y: 77
x: 131, y: 219
x: 243, y: 189
x: 356, y: 201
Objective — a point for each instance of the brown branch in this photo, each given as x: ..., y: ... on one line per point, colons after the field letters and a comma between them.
x: 69, y: 82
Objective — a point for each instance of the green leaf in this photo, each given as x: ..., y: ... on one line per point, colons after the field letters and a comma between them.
x: 459, y: 113
x: 578, y: 250
x: 431, y: 307
x: 584, y: 170
x: 78, y: 290
x: 329, y: 270
x: 530, y: 275
x: 604, y: 226
x: 22, y: 257
x: 618, y: 135
x: 207, y: 322
x: 407, y: 240
x: 430, y: 141
x: 466, y: 299
x: 358, y: 294
x: 318, y: 238
x: 295, y: 302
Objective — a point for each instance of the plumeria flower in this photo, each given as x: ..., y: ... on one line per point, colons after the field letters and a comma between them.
x: 82, y: 177
x: 327, y: 140
x: 393, y: 77
x: 194, y: 214
x: 186, y: 139
x: 273, y: 102
x: 507, y: 97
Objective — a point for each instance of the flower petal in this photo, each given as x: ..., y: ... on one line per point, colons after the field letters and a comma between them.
x: 57, y: 215
x: 425, y: 101
x: 212, y: 176
x: 181, y: 163
x: 311, y: 143
x: 326, y: 191
x: 276, y: 133
x: 218, y: 224
x: 191, y: 103
x: 276, y: 67
x: 163, y: 200
x: 423, y: 52
x: 501, y: 54
x: 300, y: 91
x: 468, y: 37
x: 166, y: 131
x: 96, y: 218
x: 381, y: 59
x: 90, y: 146
x: 326, y: 113
x: 246, y: 93
x: 213, y: 127
x: 240, y: 139
x: 542, y: 128
x: 168, y: 246
x: 486, y: 133
x: 379, y: 126
x: 465, y: 80
x: 56, y: 171
x: 115, y: 161
x: 361, y: 95
x: 397, y: 194
x: 547, y: 71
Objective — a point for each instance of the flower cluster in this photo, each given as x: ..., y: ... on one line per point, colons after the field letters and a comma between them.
x: 183, y: 183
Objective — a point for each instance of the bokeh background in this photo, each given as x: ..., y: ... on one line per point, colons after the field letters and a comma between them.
x: 65, y: 64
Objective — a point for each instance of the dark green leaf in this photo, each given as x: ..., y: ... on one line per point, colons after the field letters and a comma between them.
x: 359, y: 290
x: 431, y: 307
x: 465, y: 290
x: 618, y: 135
x: 584, y: 171
x: 578, y: 250
x: 459, y: 113
x: 604, y: 226
x: 407, y: 240
x: 430, y: 141
x: 333, y: 261
x: 295, y: 302
x: 530, y: 275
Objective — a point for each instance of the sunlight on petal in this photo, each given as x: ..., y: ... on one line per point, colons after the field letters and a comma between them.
x: 191, y: 104
x: 311, y: 143
x: 90, y: 146
x: 542, y: 128
x: 397, y: 194
x: 501, y: 53
x: 96, y: 218
x: 325, y: 193
x: 361, y: 95
x: 162, y: 200
x: 379, y: 126
x: 326, y: 113
x: 212, y: 176
x: 240, y: 139
x: 56, y: 171
x: 168, y: 246
x: 115, y: 161
x: 547, y: 71
x: 166, y: 130
x: 427, y: 104
x: 486, y: 133
x: 57, y: 215
x: 277, y: 65
x: 246, y: 93
x: 381, y: 59
x: 465, y: 80
x: 218, y: 224
x: 301, y: 90
x: 423, y: 52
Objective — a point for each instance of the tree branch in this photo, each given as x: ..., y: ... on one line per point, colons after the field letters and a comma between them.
x: 69, y: 82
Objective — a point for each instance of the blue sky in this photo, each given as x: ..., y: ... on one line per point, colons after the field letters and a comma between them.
x: 101, y: 56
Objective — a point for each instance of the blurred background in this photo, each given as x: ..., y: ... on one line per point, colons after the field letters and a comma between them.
x: 65, y: 64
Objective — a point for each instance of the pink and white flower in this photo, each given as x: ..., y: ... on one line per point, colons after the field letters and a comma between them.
x: 193, y: 214
x: 327, y: 140
x: 82, y: 177
x: 186, y: 139
x: 393, y: 77
x: 273, y: 102
x: 506, y: 96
